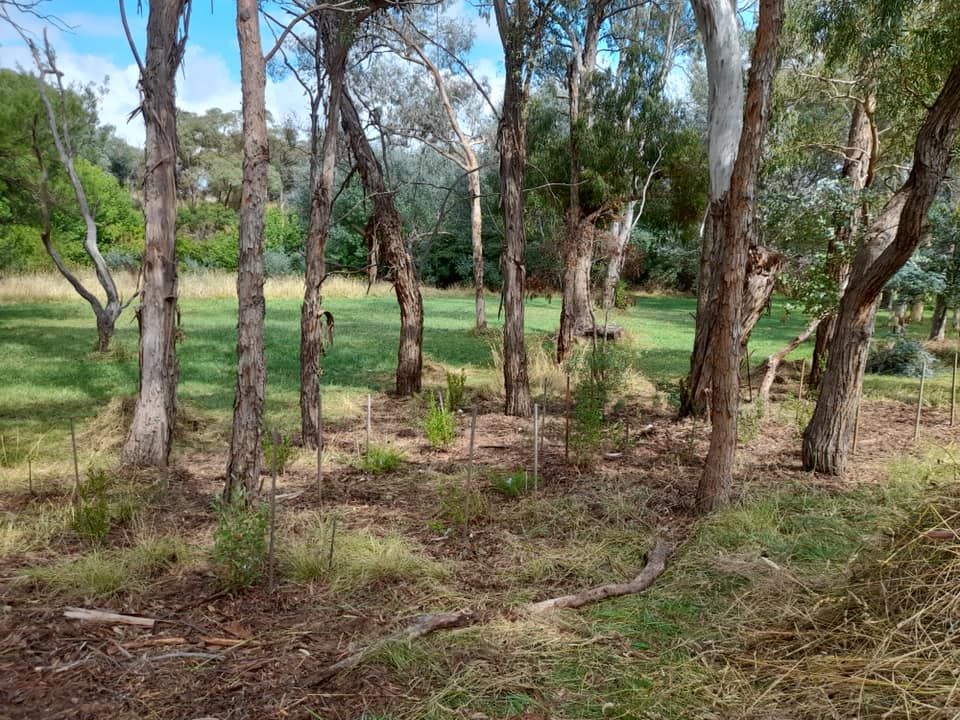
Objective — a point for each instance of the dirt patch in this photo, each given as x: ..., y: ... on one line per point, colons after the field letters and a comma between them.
x: 253, y: 654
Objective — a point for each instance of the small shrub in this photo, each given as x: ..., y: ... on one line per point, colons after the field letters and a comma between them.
x: 513, y: 485
x: 904, y: 357
x: 92, y: 519
x: 462, y: 504
x: 240, y: 542
x: 276, y: 452
x: 439, y: 425
x: 277, y: 263
x: 601, y: 368
x: 748, y: 422
x: 621, y: 298
x: 380, y: 459
x: 456, y: 384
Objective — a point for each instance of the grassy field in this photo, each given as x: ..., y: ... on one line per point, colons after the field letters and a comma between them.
x: 798, y: 567
x: 50, y: 373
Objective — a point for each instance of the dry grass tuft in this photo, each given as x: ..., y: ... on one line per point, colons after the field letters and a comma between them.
x: 886, y: 643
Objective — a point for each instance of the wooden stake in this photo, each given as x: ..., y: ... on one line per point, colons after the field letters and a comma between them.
x: 803, y: 367
x: 273, y: 508
x: 566, y: 428
x: 76, y: 465
x: 333, y: 537
x: 749, y: 378
x: 366, y: 448
x: 319, y: 448
x: 440, y: 400
x: 30, y: 475
x: 856, y: 427
x: 923, y: 377
x: 536, y: 444
x: 473, y: 436
x: 953, y: 390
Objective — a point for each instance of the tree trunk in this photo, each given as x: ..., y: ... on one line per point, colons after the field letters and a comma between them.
x: 576, y: 313
x: 858, y: 170
x: 916, y: 311
x: 511, y: 142
x: 618, y: 238
x: 938, y: 325
x: 385, y: 230
x: 888, y: 244
x: 476, y: 240
x: 243, y: 466
x: 717, y: 21
x: 334, y: 55
x: 735, y: 210
x: 760, y: 279
x: 151, y: 430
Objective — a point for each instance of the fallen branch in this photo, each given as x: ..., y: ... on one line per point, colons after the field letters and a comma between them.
x: 177, y: 655
x: 772, y: 363
x: 102, y: 616
x: 423, y: 625
x: 656, y: 564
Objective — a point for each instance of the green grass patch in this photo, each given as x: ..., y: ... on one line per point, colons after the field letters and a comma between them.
x: 380, y: 459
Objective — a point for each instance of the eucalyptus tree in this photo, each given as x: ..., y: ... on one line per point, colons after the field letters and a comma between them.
x: 58, y: 124
x: 448, y: 116
x: 151, y: 430
x: 918, y: 88
x: 732, y: 207
x: 245, y: 454
x: 521, y: 25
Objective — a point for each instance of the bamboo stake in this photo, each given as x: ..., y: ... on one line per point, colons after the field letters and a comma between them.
x: 273, y: 508
x: 366, y: 448
x: 803, y: 367
x: 749, y: 378
x: 923, y: 377
x: 440, y: 400
x: 536, y: 444
x: 953, y: 390
x: 319, y: 447
x: 76, y: 465
x: 566, y: 429
x: 473, y: 435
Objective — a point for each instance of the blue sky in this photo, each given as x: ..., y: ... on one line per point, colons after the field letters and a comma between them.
x: 96, y: 51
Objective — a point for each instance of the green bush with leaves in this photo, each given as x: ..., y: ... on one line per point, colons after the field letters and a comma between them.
x: 276, y: 452
x: 240, y: 542
x: 513, y: 485
x: 904, y: 357
x: 439, y: 425
x: 601, y: 367
x: 380, y: 459
x: 456, y: 385
x: 92, y: 519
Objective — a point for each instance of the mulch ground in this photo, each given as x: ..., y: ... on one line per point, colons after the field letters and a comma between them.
x: 257, y: 654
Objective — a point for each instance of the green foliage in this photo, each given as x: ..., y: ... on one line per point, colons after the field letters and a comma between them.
x: 461, y: 503
x: 513, y: 485
x: 439, y: 425
x: 91, y: 514
x: 380, y: 459
x: 456, y: 385
x: 239, y: 542
x: 601, y: 367
x: 621, y: 296
x: 905, y: 357
x: 277, y: 454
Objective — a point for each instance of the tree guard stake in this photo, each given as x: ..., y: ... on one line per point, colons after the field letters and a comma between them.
x: 923, y: 377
